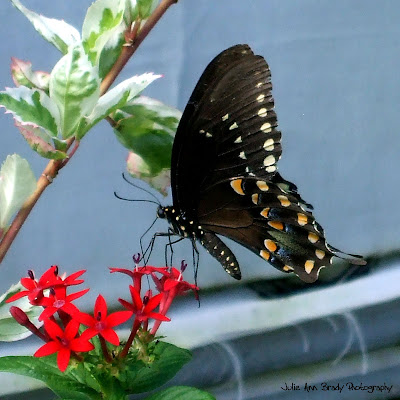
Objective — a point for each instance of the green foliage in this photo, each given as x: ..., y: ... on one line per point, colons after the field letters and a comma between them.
x: 181, y: 393
x: 92, y: 379
x: 10, y: 330
x: 17, y: 183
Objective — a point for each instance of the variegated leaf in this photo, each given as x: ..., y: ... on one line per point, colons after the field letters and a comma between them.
x: 57, y: 32
x: 102, y: 21
x: 40, y: 141
x: 23, y: 75
x: 117, y: 97
x: 17, y: 183
x: 138, y: 168
x: 31, y: 106
x: 10, y: 330
x: 75, y: 88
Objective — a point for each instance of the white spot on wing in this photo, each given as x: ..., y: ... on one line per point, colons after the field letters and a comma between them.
x: 269, y: 160
x: 225, y: 117
x: 242, y: 155
x: 260, y: 98
x: 268, y: 143
x: 266, y: 128
x: 262, y: 112
x: 238, y: 139
x: 233, y: 126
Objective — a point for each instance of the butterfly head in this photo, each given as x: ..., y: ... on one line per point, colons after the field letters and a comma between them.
x: 179, y: 224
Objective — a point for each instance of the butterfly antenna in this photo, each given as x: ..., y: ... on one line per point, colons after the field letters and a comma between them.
x: 139, y: 200
x: 141, y: 188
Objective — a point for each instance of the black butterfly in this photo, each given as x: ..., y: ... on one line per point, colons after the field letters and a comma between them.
x: 224, y: 176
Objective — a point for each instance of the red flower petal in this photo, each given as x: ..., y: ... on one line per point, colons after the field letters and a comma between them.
x: 71, y: 329
x: 53, y: 329
x: 85, y: 319
x: 17, y: 296
x: 118, y: 318
x: 81, y: 344
x: 47, y: 349
x: 100, y: 307
x: 152, y: 303
x: 63, y: 357
x: 110, y: 336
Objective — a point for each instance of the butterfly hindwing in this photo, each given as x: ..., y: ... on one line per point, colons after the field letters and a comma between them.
x: 269, y: 221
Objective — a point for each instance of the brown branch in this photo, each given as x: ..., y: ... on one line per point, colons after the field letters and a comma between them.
x: 45, y: 179
x: 52, y: 168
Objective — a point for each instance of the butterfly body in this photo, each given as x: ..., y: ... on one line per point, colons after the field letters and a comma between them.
x: 224, y: 176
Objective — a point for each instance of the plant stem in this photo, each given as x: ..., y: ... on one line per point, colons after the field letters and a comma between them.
x: 125, y: 350
x: 45, y: 179
x: 52, y: 168
x: 129, y: 50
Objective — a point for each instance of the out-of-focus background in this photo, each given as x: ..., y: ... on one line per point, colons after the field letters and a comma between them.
x: 335, y: 72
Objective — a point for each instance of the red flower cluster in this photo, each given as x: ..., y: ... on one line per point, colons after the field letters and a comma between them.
x: 62, y: 334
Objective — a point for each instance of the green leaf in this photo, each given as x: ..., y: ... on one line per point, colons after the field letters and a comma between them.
x: 146, y: 7
x: 17, y: 183
x: 57, y: 32
x: 40, y: 141
x: 23, y: 75
x: 168, y: 360
x: 45, y: 369
x: 112, y: 50
x: 75, y: 88
x: 138, y: 168
x: 31, y: 106
x: 117, y: 97
x: 10, y: 330
x: 147, y: 127
x: 181, y: 393
x: 102, y: 20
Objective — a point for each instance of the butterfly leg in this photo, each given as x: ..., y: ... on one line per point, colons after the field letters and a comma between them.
x: 141, y: 240
x: 149, y: 249
x: 196, y: 259
x: 170, y: 244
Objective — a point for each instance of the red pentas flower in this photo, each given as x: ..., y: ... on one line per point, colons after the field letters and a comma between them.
x: 102, y: 323
x: 59, y: 300
x: 63, y: 342
x: 48, y: 280
x: 144, y: 309
x: 35, y: 287
x: 137, y: 273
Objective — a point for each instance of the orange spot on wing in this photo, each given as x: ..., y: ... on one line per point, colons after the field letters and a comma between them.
x: 276, y: 224
x: 265, y: 255
x: 309, y: 265
x: 270, y: 245
x: 287, y: 268
x: 237, y: 186
x: 262, y: 186
x: 284, y: 200
x: 320, y: 254
x: 312, y: 237
x: 265, y: 212
x: 302, y: 219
